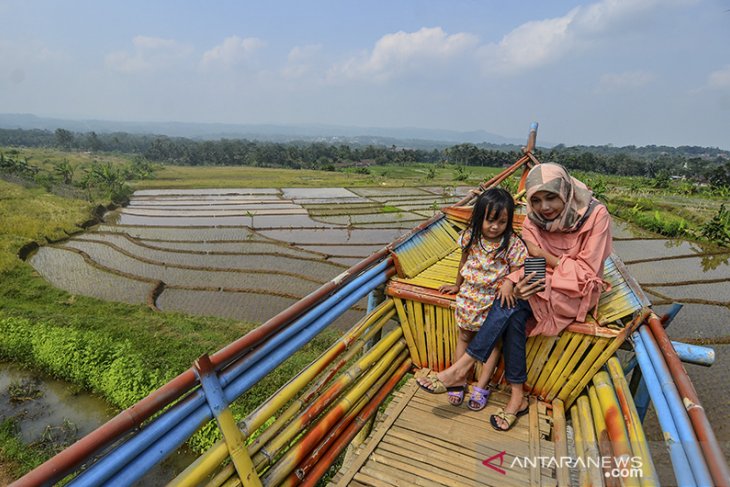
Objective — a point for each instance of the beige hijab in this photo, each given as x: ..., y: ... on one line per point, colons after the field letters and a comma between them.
x: 578, y: 199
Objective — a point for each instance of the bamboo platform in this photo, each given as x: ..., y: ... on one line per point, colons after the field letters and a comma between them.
x: 422, y: 440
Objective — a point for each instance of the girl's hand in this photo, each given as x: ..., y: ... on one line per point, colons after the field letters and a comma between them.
x: 523, y: 290
x: 505, y: 295
x: 449, y: 289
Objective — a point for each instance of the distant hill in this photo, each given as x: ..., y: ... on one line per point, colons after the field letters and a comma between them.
x: 332, y: 134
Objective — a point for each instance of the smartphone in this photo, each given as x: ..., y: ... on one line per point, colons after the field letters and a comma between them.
x: 537, y: 265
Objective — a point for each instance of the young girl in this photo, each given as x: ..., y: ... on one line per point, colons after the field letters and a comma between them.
x: 490, y: 251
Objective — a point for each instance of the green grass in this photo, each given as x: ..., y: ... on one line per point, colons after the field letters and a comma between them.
x: 255, y: 177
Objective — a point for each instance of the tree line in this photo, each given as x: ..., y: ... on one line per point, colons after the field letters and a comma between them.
x: 710, y: 165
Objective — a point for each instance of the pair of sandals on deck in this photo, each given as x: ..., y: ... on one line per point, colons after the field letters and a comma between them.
x: 477, y: 401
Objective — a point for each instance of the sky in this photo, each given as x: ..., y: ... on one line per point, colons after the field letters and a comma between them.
x: 616, y: 72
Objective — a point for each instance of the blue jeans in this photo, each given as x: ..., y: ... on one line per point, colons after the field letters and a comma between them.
x: 509, y: 324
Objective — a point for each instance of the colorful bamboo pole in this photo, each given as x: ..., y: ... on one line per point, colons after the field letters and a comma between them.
x: 590, y: 445
x: 329, y: 440
x: 639, y: 445
x: 321, y: 467
x: 286, y: 464
x: 210, y: 460
x: 580, y: 451
x: 133, y: 458
x: 687, y: 436
x: 680, y: 464
x: 711, y: 449
x: 383, y: 348
x: 614, y: 424
x: 66, y: 461
x: 604, y: 442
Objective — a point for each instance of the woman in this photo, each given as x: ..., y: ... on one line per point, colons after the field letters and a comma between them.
x: 572, y: 231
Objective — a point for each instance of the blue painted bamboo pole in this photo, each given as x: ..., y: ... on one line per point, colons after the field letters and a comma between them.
x: 337, y: 304
x: 676, y: 407
x: 679, y: 413
x: 694, y: 354
x: 680, y: 463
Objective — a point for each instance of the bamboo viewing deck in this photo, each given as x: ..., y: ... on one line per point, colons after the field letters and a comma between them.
x: 422, y: 440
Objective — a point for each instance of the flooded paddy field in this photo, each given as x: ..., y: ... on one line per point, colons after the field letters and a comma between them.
x: 236, y: 252
x: 249, y: 253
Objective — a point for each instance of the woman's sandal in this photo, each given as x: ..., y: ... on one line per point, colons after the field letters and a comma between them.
x: 478, y: 399
x: 433, y: 384
x: 508, y: 418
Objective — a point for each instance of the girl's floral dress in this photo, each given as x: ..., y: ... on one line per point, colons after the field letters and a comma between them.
x: 483, y: 274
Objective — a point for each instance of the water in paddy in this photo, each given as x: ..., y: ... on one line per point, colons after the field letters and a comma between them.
x: 53, y: 414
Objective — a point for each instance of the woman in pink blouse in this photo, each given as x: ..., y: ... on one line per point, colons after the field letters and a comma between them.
x: 572, y: 231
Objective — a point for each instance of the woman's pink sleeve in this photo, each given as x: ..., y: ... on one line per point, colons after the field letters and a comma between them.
x: 579, y: 275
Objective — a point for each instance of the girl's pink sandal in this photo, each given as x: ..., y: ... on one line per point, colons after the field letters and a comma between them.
x: 478, y: 398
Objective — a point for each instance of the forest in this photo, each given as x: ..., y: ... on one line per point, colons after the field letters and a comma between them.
x: 699, y: 164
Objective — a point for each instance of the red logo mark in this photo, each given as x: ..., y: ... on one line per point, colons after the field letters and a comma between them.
x: 488, y: 462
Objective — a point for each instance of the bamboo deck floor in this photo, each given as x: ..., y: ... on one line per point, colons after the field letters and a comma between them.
x: 421, y: 440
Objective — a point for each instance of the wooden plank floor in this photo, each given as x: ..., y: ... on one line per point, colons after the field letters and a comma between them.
x: 424, y: 441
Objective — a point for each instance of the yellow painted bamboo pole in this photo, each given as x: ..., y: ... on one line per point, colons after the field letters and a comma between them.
x: 615, y: 425
x: 407, y: 332
x: 590, y: 446
x: 204, y: 465
x: 639, y: 445
x: 578, y: 377
x: 567, y: 371
x: 417, y: 314
x: 560, y: 438
x: 565, y: 357
x: 533, y: 344
x: 556, y: 354
x: 386, y: 346
x: 287, y: 463
x: 373, y: 355
x: 540, y: 358
x: 604, y: 443
x: 583, y: 476
x: 606, y: 354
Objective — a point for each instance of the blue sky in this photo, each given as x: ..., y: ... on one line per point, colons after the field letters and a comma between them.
x: 591, y: 72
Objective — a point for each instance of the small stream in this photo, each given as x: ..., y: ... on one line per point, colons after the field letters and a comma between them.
x: 54, y: 414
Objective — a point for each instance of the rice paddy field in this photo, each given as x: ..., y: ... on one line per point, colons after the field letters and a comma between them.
x: 240, y: 253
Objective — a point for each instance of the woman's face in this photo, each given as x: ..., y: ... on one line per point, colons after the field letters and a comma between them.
x: 546, y: 204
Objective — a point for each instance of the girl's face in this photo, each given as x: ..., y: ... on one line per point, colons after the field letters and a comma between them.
x: 548, y: 205
x: 494, y: 225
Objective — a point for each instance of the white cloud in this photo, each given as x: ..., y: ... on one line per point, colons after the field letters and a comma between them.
x: 538, y: 43
x: 625, y: 80
x: 402, y: 52
x: 232, y: 51
x: 301, y: 61
x: 719, y: 79
x: 149, y: 54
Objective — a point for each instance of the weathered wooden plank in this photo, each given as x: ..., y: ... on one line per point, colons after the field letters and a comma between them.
x: 534, y: 441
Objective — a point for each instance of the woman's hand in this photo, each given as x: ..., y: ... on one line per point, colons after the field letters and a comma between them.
x: 449, y: 289
x: 505, y: 295
x: 524, y: 290
x: 535, y: 251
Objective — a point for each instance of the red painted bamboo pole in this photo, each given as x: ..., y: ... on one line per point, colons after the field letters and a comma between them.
x: 716, y: 462
x: 324, y: 463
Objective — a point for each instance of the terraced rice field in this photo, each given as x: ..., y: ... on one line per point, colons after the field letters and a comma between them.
x: 241, y: 253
